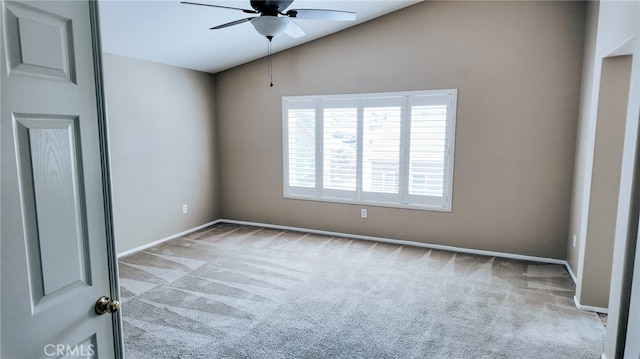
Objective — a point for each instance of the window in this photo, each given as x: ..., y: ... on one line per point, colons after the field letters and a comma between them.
x: 388, y: 149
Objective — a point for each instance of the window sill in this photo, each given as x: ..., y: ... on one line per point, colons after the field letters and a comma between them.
x: 418, y: 207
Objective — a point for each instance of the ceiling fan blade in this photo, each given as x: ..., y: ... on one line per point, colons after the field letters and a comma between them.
x: 231, y: 23
x: 293, y: 29
x: 318, y: 14
x: 219, y: 6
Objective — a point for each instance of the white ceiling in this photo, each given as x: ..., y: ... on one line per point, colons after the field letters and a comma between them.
x: 172, y: 33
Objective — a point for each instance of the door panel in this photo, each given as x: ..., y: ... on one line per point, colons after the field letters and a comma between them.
x: 39, y: 42
x: 47, y: 160
x: 55, y: 252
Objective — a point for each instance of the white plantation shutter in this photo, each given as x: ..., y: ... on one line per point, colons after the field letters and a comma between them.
x: 300, y: 136
x: 381, y: 149
x: 340, y: 147
x: 302, y: 152
x: 426, y: 150
x: 428, y: 163
x: 388, y: 149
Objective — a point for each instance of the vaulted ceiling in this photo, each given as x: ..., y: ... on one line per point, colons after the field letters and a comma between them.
x: 176, y: 34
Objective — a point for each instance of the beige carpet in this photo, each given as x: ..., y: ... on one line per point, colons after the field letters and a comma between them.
x: 232, y: 291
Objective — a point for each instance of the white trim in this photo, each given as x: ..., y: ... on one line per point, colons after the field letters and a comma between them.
x: 573, y: 275
x: 401, y: 242
x: 365, y: 202
x: 149, y: 245
x: 589, y: 308
x: 359, y: 101
x: 368, y: 95
x: 625, y: 48
x: 603, y: 356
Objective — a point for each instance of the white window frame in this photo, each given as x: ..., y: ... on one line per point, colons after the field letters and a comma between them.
x: 402, y: 199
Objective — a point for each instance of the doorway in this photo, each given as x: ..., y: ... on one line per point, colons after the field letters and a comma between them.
x: 605, y: 183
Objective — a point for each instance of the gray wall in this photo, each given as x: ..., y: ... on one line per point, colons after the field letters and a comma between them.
x: 517, y: 67
x: 163, y: 149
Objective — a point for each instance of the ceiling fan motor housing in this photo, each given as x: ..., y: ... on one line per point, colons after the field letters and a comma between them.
x: 270, y: 7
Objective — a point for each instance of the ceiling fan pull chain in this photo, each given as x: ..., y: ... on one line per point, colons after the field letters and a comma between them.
x: 269, y: 61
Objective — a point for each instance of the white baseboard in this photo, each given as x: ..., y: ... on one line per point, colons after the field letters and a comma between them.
x: 433, y: 246
x: 576, y: 302
x: 573, y: 275
x: 589, y: 308
x: 154, y: 243
x: 402, y: 242
x: 384, y: 240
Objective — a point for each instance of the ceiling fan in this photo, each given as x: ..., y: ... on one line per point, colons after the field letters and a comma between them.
x: 273, y: 18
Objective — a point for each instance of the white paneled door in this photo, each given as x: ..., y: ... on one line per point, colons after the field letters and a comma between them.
x: 56, y: 252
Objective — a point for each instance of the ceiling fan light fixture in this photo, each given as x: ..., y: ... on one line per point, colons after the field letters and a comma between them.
x: 269, y: 26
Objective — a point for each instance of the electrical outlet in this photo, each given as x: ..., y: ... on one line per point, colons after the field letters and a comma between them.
x: 363, y: 213
x: 574, y: 240
x: 185, y: 209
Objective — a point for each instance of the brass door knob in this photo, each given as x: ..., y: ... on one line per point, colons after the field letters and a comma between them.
x: 106, y: 305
